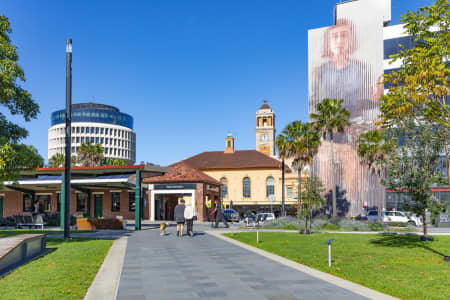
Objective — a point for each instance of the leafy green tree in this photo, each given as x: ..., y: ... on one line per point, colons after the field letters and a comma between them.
x: 115, y: 162
x: 419, y: 90
x: 330, y: 118
x: 311, y: 199
x: 301, y: 144
x: 414, y: 167
x: 58, y: 161
x: 281, y: 142
x: 14, y: 155
x: 373, y: 150
x: 90, y: 155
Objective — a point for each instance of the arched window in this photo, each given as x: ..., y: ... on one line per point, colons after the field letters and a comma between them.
x: 270, y: 186
x: 246, y: 187
x: 223, y: 188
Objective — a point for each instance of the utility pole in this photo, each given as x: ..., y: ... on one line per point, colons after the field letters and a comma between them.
x: 68, y: 138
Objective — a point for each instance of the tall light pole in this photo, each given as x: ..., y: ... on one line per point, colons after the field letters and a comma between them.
x: 68, y: 138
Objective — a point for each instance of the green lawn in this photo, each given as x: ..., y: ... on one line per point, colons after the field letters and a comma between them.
x: 65, y: 273
x: 8, y: 232
x: 399, y: 265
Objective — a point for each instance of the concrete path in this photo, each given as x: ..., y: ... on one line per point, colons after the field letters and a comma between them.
x: 206, y: 267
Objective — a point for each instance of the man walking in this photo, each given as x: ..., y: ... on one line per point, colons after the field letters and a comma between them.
x: 179, y: 217
x: 219, y: 215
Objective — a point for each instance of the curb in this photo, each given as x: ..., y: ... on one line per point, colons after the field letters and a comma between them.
x: 106, y: 283
x: 348, y: 285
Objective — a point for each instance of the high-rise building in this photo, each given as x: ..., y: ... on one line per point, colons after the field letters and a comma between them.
x: 345, y: 61
x: 96, y: 123
x: 265, y: 130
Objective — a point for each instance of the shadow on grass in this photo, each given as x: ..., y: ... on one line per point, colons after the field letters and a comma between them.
x: 404, y: 241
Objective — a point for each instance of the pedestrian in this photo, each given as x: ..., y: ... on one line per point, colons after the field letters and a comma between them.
x: 189, y: 215
x: 219, y: 215
x: 179, y: 217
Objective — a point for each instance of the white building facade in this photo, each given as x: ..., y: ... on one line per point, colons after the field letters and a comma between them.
x: 98, y: 124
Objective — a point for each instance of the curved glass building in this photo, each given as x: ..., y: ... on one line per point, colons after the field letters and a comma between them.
x: 98, y: 124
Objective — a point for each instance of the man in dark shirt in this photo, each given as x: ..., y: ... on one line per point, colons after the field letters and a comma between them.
x: 179, y: 217
x: 219, y: 215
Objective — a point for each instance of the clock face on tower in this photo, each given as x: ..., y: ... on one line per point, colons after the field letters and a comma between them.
x: 264, y: 137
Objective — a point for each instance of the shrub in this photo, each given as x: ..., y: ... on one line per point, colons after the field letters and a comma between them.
x: 398, y: 224
x: 284, y: 223
x: 377, y: 226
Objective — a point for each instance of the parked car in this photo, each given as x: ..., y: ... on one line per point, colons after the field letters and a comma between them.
x: 231, y: 215
x: 262, y: 217
x: 394, y: 217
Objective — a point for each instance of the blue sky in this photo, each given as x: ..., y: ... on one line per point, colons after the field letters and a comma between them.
x: 188, y: 72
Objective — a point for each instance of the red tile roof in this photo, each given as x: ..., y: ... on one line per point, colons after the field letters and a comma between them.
x: 182, y: 172
x: 239, y: 159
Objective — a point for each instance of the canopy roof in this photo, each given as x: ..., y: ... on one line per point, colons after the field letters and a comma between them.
x: 84, y: 178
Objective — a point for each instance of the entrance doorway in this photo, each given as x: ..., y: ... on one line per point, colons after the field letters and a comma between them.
x: 98, y: 205
x: 165, y: 205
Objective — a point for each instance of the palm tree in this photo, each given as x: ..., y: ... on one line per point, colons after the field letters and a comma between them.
x: 115, y: 162
x: 302, y: 143
x: 57, y: 160
x: 374, y: 150
x: 281, y: 143
x: 331, y: 117
x: 90, y: 155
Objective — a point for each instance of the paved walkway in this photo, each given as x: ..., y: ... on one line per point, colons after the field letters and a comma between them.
x: 205, y: 267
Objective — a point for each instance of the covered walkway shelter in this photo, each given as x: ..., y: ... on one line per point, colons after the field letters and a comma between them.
x: 100, y: 192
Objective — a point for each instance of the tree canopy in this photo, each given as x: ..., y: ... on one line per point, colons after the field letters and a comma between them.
x: 14, y: 155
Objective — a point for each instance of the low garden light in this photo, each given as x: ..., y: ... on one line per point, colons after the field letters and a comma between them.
x: 329, y: 250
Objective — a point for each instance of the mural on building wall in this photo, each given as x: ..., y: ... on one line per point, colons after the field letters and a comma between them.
x: 346, y: 62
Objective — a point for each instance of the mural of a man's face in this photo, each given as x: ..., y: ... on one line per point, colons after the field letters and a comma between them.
x: 339, y: 40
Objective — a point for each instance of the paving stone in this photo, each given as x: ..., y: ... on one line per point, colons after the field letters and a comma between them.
x: 205, y: 267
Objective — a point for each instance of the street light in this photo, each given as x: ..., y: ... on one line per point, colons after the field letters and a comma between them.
x: 68, y: 138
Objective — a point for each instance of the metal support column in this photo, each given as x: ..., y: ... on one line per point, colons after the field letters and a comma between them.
x: 62, y: 203
x: 138, y: 209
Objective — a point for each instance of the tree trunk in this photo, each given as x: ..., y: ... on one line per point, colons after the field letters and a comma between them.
x: 283, y: 211
x: 299, y: 187
x: 424, y: 214
x: 447, y: 156
x: 333, y: 179
x: 380, y: 202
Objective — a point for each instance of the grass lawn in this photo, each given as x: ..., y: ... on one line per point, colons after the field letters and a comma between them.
x: 11, y: 232
x: 398, y: 265
x: 65, y: 273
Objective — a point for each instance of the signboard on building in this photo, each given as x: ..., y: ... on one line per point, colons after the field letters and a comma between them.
x: 183, y: 186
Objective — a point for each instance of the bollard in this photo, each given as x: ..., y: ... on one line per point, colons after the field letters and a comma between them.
x: 329, y: 251
x: 329, y: 255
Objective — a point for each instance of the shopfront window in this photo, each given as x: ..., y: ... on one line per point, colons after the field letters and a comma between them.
x: 115, y: 201
x: 27, y: 202
x: 131, y: 201
x: 81, y: 202
x: 44, y: 203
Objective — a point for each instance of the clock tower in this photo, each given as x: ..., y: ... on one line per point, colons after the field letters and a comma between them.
x: 265, y: 130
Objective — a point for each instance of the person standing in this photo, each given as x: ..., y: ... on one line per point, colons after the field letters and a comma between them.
x: 179, y: 217
x: 189, y: 214
x: 219, y: 215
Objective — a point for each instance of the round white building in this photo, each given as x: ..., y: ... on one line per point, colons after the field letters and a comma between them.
x: 98, y: 124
